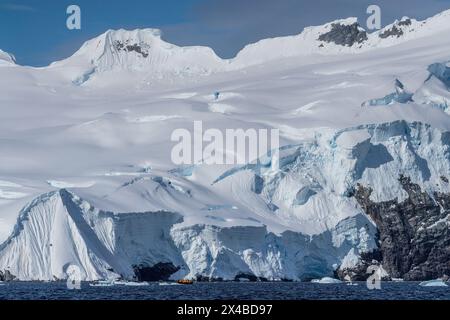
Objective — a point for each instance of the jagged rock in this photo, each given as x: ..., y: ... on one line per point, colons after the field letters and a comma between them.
x: 159, y: 272
x: 405, y: 22
x: 344, y: 35
x: 445, y: 179
x: 131, y: 47
x: 7, y: 276
x: 414, y: 234
x: 395, y: 31
x: 359, y: 272
x: 249, y: 277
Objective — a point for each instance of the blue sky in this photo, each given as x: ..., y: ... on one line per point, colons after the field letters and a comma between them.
x: 35, y: 30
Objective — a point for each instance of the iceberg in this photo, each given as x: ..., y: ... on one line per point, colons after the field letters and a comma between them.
x: 433, y: 283
x: 326, y: 280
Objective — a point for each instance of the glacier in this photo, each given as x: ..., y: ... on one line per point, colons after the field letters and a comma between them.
x: 59, y: 230
x: 399, y: 96
x: 86, y: 178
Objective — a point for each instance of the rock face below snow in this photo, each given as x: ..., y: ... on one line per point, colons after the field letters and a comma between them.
x: 396, y: 30
x: 158, y: 272
x: 345, y: 35
x: 358, y: 270
x: 141, y: 48
x: 7, y: 276
x: 414, y: 233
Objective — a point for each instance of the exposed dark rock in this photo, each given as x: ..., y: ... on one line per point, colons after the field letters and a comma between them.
x: 350, y: 192
x: 445, y: 179
x: 130, y: 47
x: 137, y: 49
x: 359, y: 272
x: 7, y: 276
x: 344, y: 35
x: 249, y: 277
x: 395, y: 31
x: 159, y: 272
x: 406, y: 22
x: 414, y: 233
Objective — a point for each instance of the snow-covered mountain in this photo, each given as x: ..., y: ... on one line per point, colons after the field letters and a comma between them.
x: 143, y: 51
x: 138, y: 51
x: 341, y: 36
x: 86, y: 177
x: 6, y: 58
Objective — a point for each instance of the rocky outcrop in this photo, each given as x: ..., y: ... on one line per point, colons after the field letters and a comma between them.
x: 405, y: 22
x: 159, y: 272
x: 396, y: 29
x: 7, y: 276
x: 344, y: 35
x: 121, y: 46
x: 414, y: 234
x: 359, y: 272
x: 393, y: 32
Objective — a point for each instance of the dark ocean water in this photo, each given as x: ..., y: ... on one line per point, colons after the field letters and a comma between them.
x: 225, y: 291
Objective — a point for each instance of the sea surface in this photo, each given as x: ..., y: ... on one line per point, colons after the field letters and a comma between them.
x: 223, y: 291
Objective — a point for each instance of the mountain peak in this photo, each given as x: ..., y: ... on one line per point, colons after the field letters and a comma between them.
x: 121, y: 41
x: 139, y: 50
x: 345, y: 32
x: 145, y: 50
x: 6, y: 58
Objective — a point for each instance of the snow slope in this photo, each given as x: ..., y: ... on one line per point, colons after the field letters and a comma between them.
x: 309, y: 41
x: 6, y: 58
x: 140, y: 50
x: 86, y: 177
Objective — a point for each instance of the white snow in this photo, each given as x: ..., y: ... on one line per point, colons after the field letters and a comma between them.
x: 75, y: 184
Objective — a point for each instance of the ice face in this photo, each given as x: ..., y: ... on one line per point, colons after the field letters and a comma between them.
x: 442, y: 72
x: 399, y: 96
x: 435, y: 90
